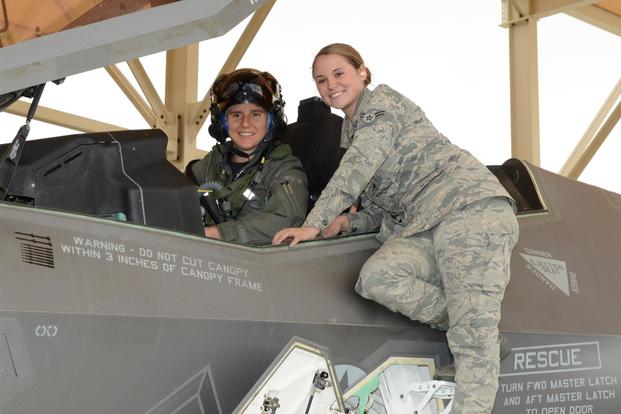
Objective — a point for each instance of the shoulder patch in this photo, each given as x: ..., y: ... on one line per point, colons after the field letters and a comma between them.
x: 280, y: 152
x: 369, y: 117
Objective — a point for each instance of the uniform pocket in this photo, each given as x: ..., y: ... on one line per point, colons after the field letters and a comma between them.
x: 288, y: 200
x: 495, y: 275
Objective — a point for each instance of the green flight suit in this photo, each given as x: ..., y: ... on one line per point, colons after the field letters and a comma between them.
x: 269, y: 193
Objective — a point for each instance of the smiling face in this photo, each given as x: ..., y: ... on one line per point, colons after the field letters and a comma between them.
x: 338, y: 82
x: 247, y: 126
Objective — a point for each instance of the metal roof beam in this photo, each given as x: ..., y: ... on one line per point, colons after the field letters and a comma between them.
x: 240, y: 48
x: 515, y: 11
x: 594, y: 136
x: 598, y: 17
x: 181, y: 93
x: 133, y: 95
x: 63, y: 119
x: 161, y: 113
x: 524, y: 84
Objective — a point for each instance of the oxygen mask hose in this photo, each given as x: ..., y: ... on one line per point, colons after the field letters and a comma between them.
x: 203, y: 191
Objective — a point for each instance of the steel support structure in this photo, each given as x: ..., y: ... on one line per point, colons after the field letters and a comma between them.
x: 62, y: 119
x: 520, y: 18
x: 524, y: 83
x: 181, y: 92
x: 201, y: 110
x: 133, y: 96
x: 595, y: 135
x: 608, y: 18
x: 515, y: 11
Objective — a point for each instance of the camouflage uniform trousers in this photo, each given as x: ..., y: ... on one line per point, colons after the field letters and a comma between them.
x: 459, y: 269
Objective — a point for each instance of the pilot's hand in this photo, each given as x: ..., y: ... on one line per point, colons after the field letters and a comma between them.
x: 340, y: 224
x: 294, y: 235
x: 212, y: 232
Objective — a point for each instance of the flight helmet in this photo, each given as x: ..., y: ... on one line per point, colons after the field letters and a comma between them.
x: 246, y: 86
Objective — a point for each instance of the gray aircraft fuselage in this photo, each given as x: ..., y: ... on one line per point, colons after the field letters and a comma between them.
x: 101, y: 316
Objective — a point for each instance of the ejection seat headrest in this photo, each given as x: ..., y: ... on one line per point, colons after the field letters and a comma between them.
x: 315, y: 139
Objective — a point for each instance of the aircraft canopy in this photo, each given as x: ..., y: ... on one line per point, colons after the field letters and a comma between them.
x: 47, y: 40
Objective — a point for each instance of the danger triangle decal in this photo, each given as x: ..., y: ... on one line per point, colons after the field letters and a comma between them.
x: 553, y: 270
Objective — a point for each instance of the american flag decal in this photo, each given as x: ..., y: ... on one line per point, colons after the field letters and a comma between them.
x: 35, y: 249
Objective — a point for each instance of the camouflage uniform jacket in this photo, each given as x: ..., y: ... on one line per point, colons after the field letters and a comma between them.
x: 266, y: 196
x: 409, y: 176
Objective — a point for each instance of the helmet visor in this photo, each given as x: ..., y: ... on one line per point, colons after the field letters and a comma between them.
x: 245, y: 85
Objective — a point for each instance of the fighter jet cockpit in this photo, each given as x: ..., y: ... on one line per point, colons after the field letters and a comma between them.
x: 125, y: 176
x: 119, y: 175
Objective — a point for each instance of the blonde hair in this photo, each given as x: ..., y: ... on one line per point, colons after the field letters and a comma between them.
x: 349, y: 53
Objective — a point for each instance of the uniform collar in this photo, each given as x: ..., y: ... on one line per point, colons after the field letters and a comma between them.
x: 348, y: 130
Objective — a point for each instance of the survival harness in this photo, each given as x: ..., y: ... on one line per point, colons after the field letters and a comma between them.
x: 224, y: 195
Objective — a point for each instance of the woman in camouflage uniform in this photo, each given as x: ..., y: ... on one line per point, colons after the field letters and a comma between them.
x: 447, y: 226
x: 253, y: 185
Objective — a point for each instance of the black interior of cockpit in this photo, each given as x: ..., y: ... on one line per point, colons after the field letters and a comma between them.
x: 122, y: 175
